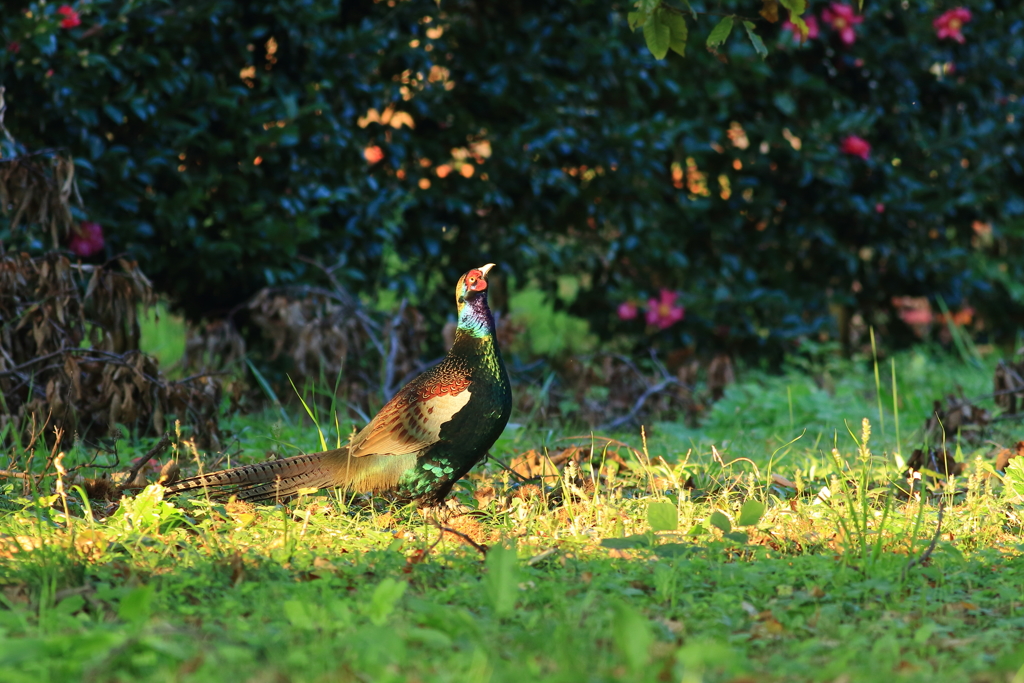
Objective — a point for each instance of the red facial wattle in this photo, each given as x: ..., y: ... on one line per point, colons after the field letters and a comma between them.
x: 475, y: 281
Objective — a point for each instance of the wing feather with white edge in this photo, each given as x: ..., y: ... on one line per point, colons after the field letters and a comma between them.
x: 411, y: 421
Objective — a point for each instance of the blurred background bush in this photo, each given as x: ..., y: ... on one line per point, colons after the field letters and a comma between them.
x: 233, y: 146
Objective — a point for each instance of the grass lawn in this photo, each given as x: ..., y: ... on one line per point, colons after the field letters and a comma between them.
x: 775, y: 543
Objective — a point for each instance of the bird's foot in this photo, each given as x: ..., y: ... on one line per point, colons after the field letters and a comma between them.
x: 444, y: 511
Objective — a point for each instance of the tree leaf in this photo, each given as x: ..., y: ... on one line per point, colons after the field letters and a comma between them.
x: 784, y: 103
x: 755, y: 40
x: 662, y: 516
x: 719, y: 33
x: 720, y: 521
x: 658, y: 36
x: 636, y: 20
x: 770, y: 11
x: 750, y: 513
x: 678, y: 32
x: 795, y: 6
x: 673, y: 549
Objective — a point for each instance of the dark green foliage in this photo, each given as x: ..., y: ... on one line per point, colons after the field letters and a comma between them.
x: 553, y: 87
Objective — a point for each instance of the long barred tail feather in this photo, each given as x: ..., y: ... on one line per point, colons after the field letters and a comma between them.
x: 277, y: 479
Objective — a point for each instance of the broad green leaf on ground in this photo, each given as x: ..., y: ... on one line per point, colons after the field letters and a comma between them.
x: 662, y: 516
x: 501, y: 582
x: 738, y: 537
x: 385, y: 596
x: 720, y: 521
x: 299, y: 614
x: 627, y: 543
x: 750, y: 513
x: 633, y: 637
x: 135, y: 607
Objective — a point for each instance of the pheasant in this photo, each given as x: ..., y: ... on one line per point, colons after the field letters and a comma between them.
x: 433, y: 431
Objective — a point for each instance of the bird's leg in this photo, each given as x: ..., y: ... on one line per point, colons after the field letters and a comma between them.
x: 443, y: 512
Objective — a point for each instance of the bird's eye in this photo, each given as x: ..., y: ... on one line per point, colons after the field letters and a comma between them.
x: 472, y: 280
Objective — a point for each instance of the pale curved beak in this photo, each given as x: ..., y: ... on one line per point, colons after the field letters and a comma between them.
x: 485, y: 269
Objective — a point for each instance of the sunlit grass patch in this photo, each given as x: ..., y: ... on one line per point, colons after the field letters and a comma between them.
x: 732, y: 552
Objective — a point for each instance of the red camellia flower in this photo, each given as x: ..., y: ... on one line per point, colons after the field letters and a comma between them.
x: 627, y: 310
x: 842, y: 20
x: 879, y: 207
x: 87, y: 240
x: 14, y: 47
x: 856, y: 146
x: 71, y: 18
x: 662, y: 312
x: 949, y: 24
x: 812, y: 28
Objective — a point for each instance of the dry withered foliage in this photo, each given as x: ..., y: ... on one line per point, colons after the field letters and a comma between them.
x: 214, y: 345
x: 1005, y: 455
x: 720, y: 375
x: 69, y: 339
x: 1008, y: 385
x: 960, y: 419
x: 324, y: 334
x: 609, y: 390
x: 568, y: 468
x: 36, y: 188
x: 938, y: 460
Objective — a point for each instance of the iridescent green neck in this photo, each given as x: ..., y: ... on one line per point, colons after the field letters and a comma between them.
x: 475, y: 318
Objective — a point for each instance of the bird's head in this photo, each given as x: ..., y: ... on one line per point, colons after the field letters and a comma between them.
x: 472, y: 284
x: 472, y: 289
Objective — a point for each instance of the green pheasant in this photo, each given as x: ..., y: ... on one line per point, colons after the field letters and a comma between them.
x: 422, y: 441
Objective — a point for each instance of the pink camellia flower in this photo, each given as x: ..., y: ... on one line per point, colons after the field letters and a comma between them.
x: 812, y: 28
x: 71, y: 18
x: 879, y: 207
x: 916, y: 316
x: 948, y: 24
x: 87, y: 240
x: 14, y: 47
x: 856, y: 146
x: 662, y: 312
x: 627, y: 310
x: 842, y: 19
